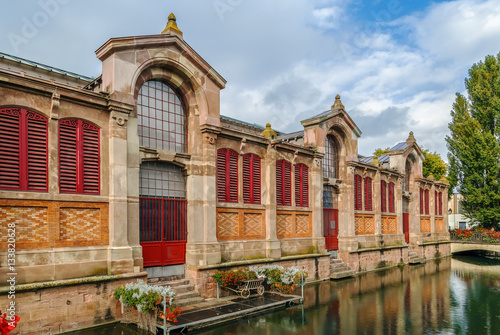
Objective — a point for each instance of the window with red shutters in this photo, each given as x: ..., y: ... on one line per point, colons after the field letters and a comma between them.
x: 383, y: 195
x: 358, y: 193
x: 251, y: 179
x: 421, y: 201
x: 79, y: 165
x: 368, y: 194
x: 227, y: 175
x: 392, y: 208
x: 301, y: 185
x: 23, y: 157
x: 436, y: 203
x: 283, y: 183
x: 426, y: 199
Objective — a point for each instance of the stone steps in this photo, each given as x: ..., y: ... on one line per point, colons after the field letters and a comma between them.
x: 413, y: 258
x: 339, y: 270
x: 185, y: 293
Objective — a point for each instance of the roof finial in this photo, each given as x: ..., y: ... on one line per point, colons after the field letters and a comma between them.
x: 269, y: 133
x: 431, y: 177
x: 411, y: 138
x: 337, y: 104
x: 375, y: 161
x: 172, y: 25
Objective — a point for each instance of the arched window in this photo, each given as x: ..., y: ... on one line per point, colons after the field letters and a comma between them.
x: 251, y: 179
x: 331, y: 159
x: 301, y: 185
x: 408, y: 168
x: 283, y: 183
x: 161, y: 117
x: 227, y: 175
x: 23, y: 153
x: 78, y: 157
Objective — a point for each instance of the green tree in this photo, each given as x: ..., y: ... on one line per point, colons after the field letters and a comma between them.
x: 474, y: 145
x: 379, y: 151
x: 433, y: 164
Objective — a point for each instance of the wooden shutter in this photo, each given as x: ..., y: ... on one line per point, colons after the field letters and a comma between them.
x: 391, y: 198
x: 440, y: 203
x: 358, y: 193
x: 383, y: 202
x: 23, y: 160
x: 436, y: 203
x: 368, y: 194
x: 287, y: 183
x: 283, y: 183
x: 67, y: 156
x: 301, y: 186
x: 10, y: 160
x: 227, y: 175
x: 279, y: 182
x: 251, y: 179
x: 79, y: 162
x: 91, y: 179
x: 221, y: 175
x: 421, y: 201
x: 426, y: 202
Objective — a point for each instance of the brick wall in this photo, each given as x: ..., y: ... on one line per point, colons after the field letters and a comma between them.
x: 53, y: 224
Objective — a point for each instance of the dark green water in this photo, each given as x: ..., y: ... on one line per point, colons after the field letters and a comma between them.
x: 453, y: 296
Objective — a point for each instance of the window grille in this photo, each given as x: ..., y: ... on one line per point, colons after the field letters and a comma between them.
x: 162, y: 180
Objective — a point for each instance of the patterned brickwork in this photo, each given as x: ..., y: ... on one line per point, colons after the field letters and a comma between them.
x: 30, y: 224
x: 364, y: 224
x: 240, y: 224
x: 425, y: 224
x: 389, y: 224
x: 439, y: 225
x: 54, y: 224
x: 293, y: 224
x: 80, y: 224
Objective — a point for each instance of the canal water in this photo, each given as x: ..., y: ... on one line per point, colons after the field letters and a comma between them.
x: 459, y: 295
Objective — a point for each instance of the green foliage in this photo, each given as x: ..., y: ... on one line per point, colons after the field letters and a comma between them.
x: 233, y: 277
x: 474, y: 147
x: 379, y: 151
x: 433, y: 164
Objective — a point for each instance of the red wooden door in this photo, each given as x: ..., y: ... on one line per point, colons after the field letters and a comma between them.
x: 331, y: 228
x: 406, y: 227
x: 163, y: 231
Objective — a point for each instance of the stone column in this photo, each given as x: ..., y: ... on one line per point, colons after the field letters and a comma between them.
x: 316, y: 190
x: 377, y: 210
x: 347, y: 237
x: 202, y: 246
x: 273, y: 245
x: 120, y: 259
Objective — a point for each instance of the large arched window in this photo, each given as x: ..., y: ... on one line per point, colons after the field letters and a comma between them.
x: 408, y: 168
x: 331, y: 159
x: 161, y: 117
x: 23, y: 153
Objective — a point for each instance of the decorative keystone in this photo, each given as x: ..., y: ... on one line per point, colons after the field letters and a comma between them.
x: 172, y: 26
x: 411, y: 138
x: 337, y: 104
x: 269, y: 133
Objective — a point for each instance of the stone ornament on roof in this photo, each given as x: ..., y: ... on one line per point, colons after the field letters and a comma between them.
x: 172, y: 25
x: 411, y: 138
x: 375, y: 161
x: 431, y: 177
x: 337, y: 104
x: 269, y: 133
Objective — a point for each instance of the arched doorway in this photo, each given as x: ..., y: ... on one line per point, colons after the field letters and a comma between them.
x: 330, y: 196
x: 161, y: 124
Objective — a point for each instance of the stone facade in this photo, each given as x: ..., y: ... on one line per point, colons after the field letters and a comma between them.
x: 64, y: 240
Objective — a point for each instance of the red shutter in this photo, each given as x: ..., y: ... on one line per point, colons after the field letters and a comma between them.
x: 251, y: 179
x: 91, y: 180
x: 221, y: 175
x: 37, y: 152
x: 287, y: 183
x: 421, y: 201
x: 391, y: 198
x: 368, y: 194
x: 256, y: 181
x: 301, y: 185
x: 10, y: 153
x: 440, y: 203
x: 357, y: 195
x: 436, y: 203
x: 279, y: 183
x: 427, y: 202
x: 232, y: 171
x: 67, y: 156
x: 383, y: 196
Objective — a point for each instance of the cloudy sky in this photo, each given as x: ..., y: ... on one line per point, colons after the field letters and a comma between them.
x: 396, y: 64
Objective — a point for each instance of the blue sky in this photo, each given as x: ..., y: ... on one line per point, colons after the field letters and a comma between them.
x: 397, y: 64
